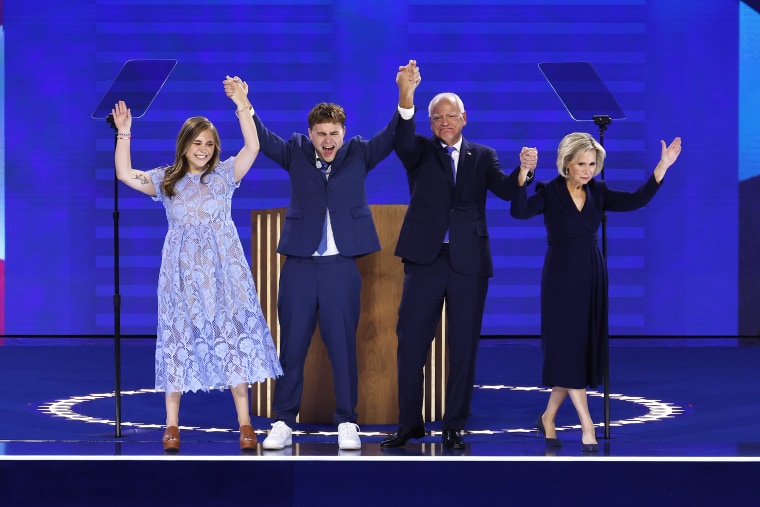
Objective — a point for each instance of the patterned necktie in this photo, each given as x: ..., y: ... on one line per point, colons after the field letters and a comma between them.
x: 322, y: 247
x: 451, y: 151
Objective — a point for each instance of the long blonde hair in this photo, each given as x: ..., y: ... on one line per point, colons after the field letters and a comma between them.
x: 190, y: 130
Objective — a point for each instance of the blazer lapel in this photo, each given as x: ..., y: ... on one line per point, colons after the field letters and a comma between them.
x: 464, y: 167
x: 310, y: 154
x: 337, y: 163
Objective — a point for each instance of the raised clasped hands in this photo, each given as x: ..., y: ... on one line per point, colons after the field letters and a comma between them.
x: 122, y: 117
x: 670, y: 153
x: 528, y: 160
x: 408, y: 77
x: 237, y: 90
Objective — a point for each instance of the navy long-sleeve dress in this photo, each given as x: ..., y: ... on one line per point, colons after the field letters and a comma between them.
x: 574, y: 314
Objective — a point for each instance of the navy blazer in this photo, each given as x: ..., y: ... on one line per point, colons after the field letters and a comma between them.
x: 438, y: 204
x: 344, y: 194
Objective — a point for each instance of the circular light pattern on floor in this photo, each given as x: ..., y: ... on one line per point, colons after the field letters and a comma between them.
x: 657, y: 411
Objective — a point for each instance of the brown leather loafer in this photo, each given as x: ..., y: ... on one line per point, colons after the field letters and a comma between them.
x: 247, y: 437
x: 171, y: 439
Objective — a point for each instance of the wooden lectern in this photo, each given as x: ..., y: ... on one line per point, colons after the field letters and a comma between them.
x: 382, y: 283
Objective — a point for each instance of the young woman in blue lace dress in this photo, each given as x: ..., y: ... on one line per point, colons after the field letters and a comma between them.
x: 211, y: 330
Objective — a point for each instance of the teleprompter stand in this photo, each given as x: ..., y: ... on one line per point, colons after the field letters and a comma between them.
x: 137, y: 84
x: 586, y: 98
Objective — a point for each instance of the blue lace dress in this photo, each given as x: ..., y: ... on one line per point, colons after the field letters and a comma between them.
x: 211, y: 330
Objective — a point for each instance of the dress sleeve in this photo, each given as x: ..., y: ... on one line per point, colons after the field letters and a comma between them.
x: 157, y: 178
x: 226, y: 169
x: 615, y: 200
x: 523, y: 207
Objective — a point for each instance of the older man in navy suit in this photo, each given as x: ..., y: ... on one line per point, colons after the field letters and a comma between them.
x: 447, y: 256
x: 328, y: 224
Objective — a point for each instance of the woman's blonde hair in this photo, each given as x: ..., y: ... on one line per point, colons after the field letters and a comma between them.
x: 573, y: 145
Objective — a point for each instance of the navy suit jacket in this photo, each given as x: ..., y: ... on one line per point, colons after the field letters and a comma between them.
x: 438, y: 204
x: 344, y: 194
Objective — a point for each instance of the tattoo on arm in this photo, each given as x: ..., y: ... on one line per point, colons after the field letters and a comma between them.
x: 142, y: 178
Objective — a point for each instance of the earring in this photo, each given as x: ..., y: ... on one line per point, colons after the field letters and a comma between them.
x: 565, y: 171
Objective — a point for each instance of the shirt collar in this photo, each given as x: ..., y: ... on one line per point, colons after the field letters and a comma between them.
x: 457, y: 145
x: 318, y: 162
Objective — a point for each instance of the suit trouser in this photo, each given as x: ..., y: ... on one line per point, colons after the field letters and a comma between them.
x: 325, y: 290
x: 425, y: 289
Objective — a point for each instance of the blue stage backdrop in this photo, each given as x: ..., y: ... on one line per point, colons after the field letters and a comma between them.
x: 672, y: 66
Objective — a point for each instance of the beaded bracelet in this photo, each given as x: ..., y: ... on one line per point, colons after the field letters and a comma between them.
x: 126, y: 136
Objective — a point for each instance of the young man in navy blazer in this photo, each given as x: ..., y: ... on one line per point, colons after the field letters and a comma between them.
x: 328, y: 224
x: 447, y: 256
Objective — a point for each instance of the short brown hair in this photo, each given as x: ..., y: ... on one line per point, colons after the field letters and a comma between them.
x: 327, y: 112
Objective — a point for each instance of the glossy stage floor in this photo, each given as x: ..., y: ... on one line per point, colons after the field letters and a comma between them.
x: 683, y: 431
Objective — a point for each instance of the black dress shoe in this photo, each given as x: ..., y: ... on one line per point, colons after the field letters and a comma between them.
x: 402, y: 436
x: 452, y: 439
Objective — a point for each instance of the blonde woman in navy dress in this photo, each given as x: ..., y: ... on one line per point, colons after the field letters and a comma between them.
x: 211, y: 331
x: 574, y: 324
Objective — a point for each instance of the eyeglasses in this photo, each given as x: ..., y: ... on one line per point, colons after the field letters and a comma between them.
x: 450, y: 118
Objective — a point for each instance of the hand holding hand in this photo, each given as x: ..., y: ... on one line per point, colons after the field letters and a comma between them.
x: 408, y: 77
x: 528, y: 160
x: 237, y: 89
x: 122, y: 117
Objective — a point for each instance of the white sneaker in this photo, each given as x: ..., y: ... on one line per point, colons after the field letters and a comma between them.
x: 348, y: 436
x: 279, y: 437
